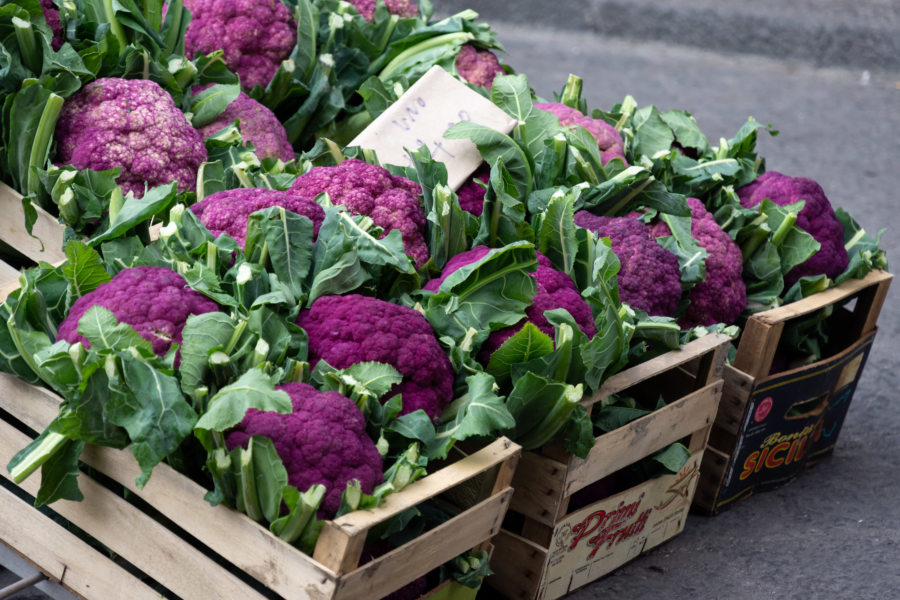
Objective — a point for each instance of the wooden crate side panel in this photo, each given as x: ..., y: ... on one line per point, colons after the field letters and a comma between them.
x: 279, y: 566
x: 538, y: 482
x: 599, y: 538
x: 644, y: 436
x: 623, y: 380
x: 135, y: 536
x: 62, y: 556
x: 518, y: 567
x: 416, y: 558
x: 735, y: 395
x: 274, y: 563
x: 47, y: 241
x: 712, y: 475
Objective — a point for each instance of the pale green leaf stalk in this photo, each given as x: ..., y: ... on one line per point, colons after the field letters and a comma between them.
x: 571, y: 95
x: 28, y: 46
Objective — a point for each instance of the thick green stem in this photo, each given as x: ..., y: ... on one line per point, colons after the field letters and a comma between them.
x: 28, y: 47
x: 784, y: 229
x: 40, y: 454
x: 458, y: 38
x: 40, y: 147
x: 308, y: 504
x: 249, y: 494
x: 756, y: 239
x: 571, y: 95
x: 114, y: 26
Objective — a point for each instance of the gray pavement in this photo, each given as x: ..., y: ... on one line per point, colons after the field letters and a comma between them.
x: 855, y: 33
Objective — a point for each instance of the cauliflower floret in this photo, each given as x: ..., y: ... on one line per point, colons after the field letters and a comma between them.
x: 345, y: 330
x: 392, y: 201
x: 155, y: 301
x: 471, y: 193
x: 258, y: 125
x: 817, y: 219
x: 608, y: 138
x: 255, y: 35
x: 650, y: 278
x: 229, y: 210
x: 722, y: 295
x: 401, y: 8
x: 321, y: 441
x: 478, y: 67
x: 133, y: 124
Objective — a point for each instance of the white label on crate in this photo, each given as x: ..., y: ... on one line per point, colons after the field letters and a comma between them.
x: 422, y: 115
x: 603, y: 536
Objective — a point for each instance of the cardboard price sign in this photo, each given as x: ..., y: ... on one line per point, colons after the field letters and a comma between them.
x: 422, y: 115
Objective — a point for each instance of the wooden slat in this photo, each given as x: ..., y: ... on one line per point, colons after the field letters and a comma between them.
x: 822, y: 299
x: 623, y: 380
x: 432, y: 485
x: 62, y: 556
x: 519, y: 573
x: 712, y: 474
x: 47, y: 240
x: 415, y: 558
x: 8, y: 275
x: 874, y: 302
x: 135, y: 536
x: 642, y: 437
x: 757, y: 347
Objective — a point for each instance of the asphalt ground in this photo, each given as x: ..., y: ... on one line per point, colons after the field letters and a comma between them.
x: 834, y: 531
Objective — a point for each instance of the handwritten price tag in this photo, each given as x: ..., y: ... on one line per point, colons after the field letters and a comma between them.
x: 422, y: 115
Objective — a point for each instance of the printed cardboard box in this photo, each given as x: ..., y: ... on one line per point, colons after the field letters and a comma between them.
x: 770, y: 428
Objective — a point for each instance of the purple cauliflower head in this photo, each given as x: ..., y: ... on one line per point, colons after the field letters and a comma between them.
x: 133, y: 124
x: 608, y: 138
x: 254, y: 35
x: 401, y: 8
x: 478, y: 67
x: 817, y: 219
x: 345, y: 330
x: 554, y: 290
x: 392, y: 201
x: 51, y: 15
x: 649, y: 278
x: 722, y: 295
x: 322, y: 440
x: 155, y: 301
x: 471, y: 193
x: 258, y: 125
x: 229, y: 210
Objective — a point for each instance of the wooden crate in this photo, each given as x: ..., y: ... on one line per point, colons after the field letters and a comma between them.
x: 45, y: 243
x: 771, y: 427
x: 552, y: 553
x: 169, y: 536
